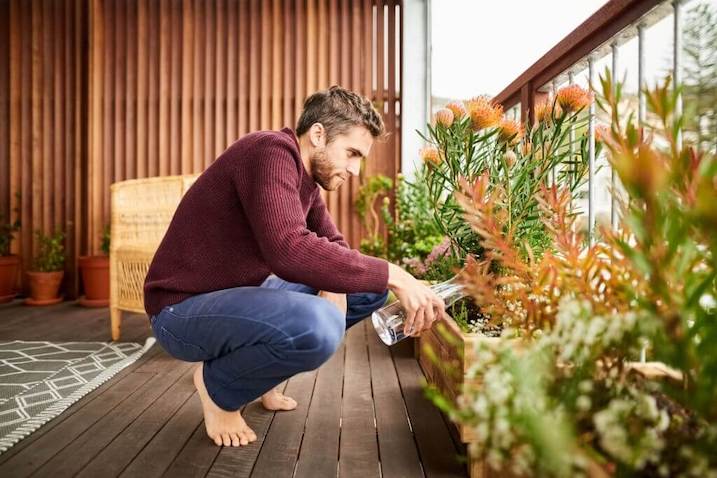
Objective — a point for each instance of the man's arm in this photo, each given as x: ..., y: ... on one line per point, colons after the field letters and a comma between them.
x: 269, y: 192
x: 319, y: 220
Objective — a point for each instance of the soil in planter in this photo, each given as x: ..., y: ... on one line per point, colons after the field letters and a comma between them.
x: 470, y: 319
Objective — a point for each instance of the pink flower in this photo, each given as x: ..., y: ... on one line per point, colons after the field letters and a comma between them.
x: 415, y: 265
x: 438, y: 252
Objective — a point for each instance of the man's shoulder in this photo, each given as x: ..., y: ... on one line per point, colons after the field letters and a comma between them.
x: 260, y: 141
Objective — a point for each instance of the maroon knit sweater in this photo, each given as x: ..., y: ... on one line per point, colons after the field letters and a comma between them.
x: 255, y: 211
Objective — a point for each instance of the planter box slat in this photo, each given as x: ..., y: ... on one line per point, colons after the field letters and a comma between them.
x: 453, y: 350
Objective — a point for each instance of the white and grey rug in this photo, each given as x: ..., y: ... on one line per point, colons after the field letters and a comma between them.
x: 39, y: 380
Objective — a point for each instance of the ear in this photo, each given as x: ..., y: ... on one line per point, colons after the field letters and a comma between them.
x: 317, y: 135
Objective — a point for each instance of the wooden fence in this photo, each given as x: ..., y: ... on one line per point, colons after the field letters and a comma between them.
x: 98, y: 91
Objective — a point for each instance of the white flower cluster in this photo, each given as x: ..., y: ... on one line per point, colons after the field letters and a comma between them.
x: 578, y: 333
x: 495, y: 406
x: 630, y: 429
x: 491, y: 404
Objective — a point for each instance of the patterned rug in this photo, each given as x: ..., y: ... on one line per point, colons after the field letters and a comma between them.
x: 39, y: 380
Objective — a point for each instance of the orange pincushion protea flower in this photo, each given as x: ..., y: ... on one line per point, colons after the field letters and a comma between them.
x: 483, y: 112
x: 430, y: 155
x: 444, y: 117
x: 458, y: 110
x: 546, y: 111
x: 509, y: 131
x: 574, y: 98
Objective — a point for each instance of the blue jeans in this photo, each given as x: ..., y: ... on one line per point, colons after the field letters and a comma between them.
x: 253, y: 338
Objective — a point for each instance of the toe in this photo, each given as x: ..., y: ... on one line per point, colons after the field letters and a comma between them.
x: 244, y: 439
x: 217, y: 440
x: 235, y: 439
x: 226, y: 440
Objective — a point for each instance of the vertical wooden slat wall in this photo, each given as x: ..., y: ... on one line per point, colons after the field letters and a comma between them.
x: 163, y: 87
x: 43, y: 125
x: 183, y: 79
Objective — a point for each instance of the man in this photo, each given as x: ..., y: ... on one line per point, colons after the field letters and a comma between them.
x: 252, y: 277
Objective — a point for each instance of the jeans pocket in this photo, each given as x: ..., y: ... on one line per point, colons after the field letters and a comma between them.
x: 178, y: 348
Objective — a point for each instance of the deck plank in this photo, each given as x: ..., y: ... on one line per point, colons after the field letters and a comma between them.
x: 114, y: 458
x: 160, y: 452
x: 358, y: 456
x: 280, y: 450
x: 83, y: 449
x: 319, y: 455
x: 439, y: 456
x: 195, y: 458
x: 397, y: 446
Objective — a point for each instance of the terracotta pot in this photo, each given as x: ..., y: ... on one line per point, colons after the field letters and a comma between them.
x: 44, y: 287
x: 96, y: 279
x: 8, y: 275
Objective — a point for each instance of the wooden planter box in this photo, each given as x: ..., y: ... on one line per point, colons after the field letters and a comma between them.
x: 453, y: 350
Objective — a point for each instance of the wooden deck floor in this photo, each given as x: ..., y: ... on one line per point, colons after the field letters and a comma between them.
x: 362, y: 414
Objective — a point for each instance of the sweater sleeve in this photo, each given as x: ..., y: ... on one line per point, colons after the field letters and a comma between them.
x: 319, y: 220
x: 269, y: 192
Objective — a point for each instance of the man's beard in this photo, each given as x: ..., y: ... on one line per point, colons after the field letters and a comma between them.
x: 322, y: 170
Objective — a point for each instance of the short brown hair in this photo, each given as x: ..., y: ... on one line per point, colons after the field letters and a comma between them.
x: 339, y: 109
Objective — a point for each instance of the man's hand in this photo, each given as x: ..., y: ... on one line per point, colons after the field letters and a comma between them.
x: 339, y: 300
x: 422, y: 305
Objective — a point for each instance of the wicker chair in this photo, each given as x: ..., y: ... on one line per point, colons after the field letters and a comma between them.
x: 141, y: 212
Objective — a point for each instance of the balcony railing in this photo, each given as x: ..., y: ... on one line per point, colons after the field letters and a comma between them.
x: 615, y: 24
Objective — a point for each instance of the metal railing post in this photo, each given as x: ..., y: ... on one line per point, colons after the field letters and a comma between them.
x: 613, y: 175
x: 677, y: 63
x: 571, y: 137
x: 641, y: 73
x: 591, y: 155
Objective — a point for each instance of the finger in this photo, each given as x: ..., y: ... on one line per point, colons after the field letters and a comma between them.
x: 440, y: 312
x: 418, y: 322
x: 440, y: 309
x: 408, y: 323
x: 429, y: 317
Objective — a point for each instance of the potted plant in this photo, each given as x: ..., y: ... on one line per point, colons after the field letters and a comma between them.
x: 95, y: 271
x: 474, y: 141
x: 48, y: 270
x: 9, y: 263
x: 365, y: 204
x: 578, y: 397
x: 413, y: 233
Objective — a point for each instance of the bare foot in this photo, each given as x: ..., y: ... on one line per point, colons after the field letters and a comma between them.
x: 224, y: 427
x: 275, y: 400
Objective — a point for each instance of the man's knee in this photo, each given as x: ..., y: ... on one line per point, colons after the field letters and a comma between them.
x: 320, y: 334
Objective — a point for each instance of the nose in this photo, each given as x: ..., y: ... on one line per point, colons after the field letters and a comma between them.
x: 354, y: 168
